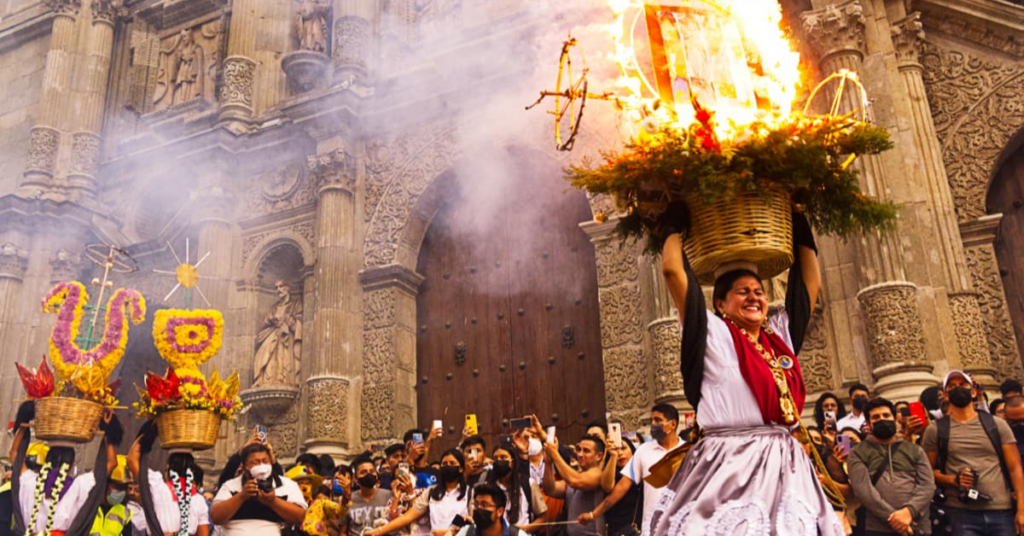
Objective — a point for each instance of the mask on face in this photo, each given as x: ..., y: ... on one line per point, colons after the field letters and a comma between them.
x: 338, y: 489
x: 960, y: 397
x: 502, y: 468
x: 450, y: 473
x: 535, y: 447
x: 367, y: 481
x: 482, y: 519
x: 883, y: 429
x: 115, y: 497
x: 658, y: 432
x: 261, y: 471
x: 860, y: 402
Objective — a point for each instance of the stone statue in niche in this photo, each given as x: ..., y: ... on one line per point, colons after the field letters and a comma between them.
x: 311, y: 25
x: 279, y: 342
x: 182, y: 76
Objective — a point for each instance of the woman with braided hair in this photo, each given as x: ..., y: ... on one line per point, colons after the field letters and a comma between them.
x: 158, y: 512
x: 182, y: 476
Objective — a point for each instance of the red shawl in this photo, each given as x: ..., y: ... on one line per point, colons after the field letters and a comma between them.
x: 758, y: 374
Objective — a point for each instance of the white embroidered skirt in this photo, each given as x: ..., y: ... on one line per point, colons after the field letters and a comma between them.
x: 744, y: 481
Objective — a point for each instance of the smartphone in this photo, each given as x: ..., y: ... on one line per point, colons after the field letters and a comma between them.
x: 417, y: 438
x: 459, y: 521
x: 505, y: 440
x: 471, y: 424
x: 261, y: 433
x: 615, y: 434
x: 551, y: 434
x: 844, y: 443
x: 520, y: 424
x: 438, y: 425
x: 404, y: 468
x: 917, y: 410
x: 904, y: 411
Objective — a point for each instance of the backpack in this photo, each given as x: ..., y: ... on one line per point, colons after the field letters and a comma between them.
x: 988, y: 423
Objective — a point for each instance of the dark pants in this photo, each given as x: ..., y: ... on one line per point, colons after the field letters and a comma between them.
x: 982, y: 522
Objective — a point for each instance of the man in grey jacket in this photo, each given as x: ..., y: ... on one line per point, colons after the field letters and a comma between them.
x: 892, y: 478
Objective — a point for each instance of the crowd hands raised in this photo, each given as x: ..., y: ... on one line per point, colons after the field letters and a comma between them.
x: 947, y: 463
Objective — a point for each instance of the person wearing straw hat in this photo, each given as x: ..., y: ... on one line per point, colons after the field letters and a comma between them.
x: 741, y: 374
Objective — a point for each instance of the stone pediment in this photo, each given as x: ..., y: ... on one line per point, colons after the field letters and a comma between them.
x: 169, y: 13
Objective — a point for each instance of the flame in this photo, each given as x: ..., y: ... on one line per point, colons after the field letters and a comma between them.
x: 731, y: 56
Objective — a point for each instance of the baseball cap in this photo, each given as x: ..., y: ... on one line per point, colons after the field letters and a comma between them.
x: 955, y: 373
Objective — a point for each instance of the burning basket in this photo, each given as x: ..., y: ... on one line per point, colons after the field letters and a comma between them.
x: 66, y: 419
x: 750, y: 227
x: 188, y: 428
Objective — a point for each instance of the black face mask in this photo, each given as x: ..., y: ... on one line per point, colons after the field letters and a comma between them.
x: 482, y: 519
x: 367, y: 481
x: 450, y: 473
x: 658, y: 432
x: 960, y: 397
x: 883, y: 429
x: 501, y: 468
x: 860, y: 402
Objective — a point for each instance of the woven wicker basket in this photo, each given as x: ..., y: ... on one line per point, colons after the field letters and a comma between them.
x: 188, y: 429
x: 755, y: 228
x: 67, y: 419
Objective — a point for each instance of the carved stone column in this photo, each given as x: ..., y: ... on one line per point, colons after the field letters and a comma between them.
x: 353, y: 40
x: 627, y: 371
x: 335, y: 354
x: 889, y: 304
x: 907, y: 35
x: 13, y: 263
x: 45, y: 136
x: 388, y: 400
x: 239, y: 66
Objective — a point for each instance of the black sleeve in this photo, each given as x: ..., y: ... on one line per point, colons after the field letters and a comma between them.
x: 695, y: 337
x: 6, y: 511
x: 798, y: 301
x: 82, y: 522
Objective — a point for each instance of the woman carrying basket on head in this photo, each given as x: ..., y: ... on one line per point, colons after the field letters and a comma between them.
x: 741, y: 374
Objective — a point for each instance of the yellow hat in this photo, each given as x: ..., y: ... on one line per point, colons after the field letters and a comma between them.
x: 303, y: 472
x: 120, y: 473
x: 38, y: 450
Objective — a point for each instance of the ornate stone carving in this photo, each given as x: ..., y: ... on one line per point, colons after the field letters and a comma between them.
x: 836, y: 29
x: 378, y: 409
x: 1002, y: 343
x: 907, y: 36
x: 305, y: 229
x: 893, y: 323
x: 815, y: 361
x: 327, y: 409
x: 281, y: 189
x: 601, y: 204
x: 625, y: 378
x: 665, y: 341
x: 620, y: 315
x: 69, y: 8
x: 305, y: 69
x: 970, y: 331
x: 351, y: 41
x: 13, y: 261
x: 312, y: 25
x: 65, y: 266
x: 188, y: 63
x: 335, y: 170
x: 108, y: 11
x: 279, y: 341
x: 379, y: 360
x: 379, y: 308
x: 238, y: 75
x: 617, y: 261
x: 42, y: 149
x: 975, y: 104
x: 85, y: 153
x: 282, y: 429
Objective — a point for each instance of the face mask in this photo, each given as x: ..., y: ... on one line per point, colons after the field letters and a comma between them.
x: 658, y: 432
x: 482, y: 519
x: 261, y: 471
x: 367, y: 481
x: 501, y: 468
x: 535, y: 447
x: 115, y: 497
x: 450, y: 473
x: 883, y: 429
x: 860, y: 402
x: 338, y: 489
x: 960, y: 397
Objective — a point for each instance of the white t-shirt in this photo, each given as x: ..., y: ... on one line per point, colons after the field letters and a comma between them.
x: 639, y: 468
x: 850, y: 421
x: 198, y: 513
x: 726, y: 400
x: 288, y: 490
x: 27, y: 499
x: 442, y: 512
x: 163, y: 503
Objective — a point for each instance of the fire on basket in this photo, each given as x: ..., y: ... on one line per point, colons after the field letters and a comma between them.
x: 707, y: 89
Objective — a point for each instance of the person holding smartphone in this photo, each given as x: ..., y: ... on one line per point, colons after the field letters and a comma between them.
x: 257, y: 502
x: 445, y: 503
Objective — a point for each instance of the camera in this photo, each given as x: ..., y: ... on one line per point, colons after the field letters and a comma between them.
x: 265, y: 486
x: 972, y: 494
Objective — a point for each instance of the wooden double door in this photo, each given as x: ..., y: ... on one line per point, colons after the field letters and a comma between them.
x: 507, y: 316
x: 1006, y: 196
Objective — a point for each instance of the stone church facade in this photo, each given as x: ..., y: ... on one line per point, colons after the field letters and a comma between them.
x: 288, y: 139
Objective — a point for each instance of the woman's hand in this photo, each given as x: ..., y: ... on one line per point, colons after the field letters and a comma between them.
x: 538, y: 430
x: 840, y: 454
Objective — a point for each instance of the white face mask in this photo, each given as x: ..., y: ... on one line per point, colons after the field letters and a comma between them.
x: 535, y: 447
x: 261, y: 471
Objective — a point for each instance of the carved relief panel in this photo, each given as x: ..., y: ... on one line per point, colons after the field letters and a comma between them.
x: 188, y: 63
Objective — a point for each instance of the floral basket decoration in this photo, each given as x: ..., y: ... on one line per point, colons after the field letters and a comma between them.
x: 70, y: 403
x: 739, y: 191
x: 188, y: 407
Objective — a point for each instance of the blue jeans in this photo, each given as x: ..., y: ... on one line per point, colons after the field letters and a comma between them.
x: 982, y: 522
